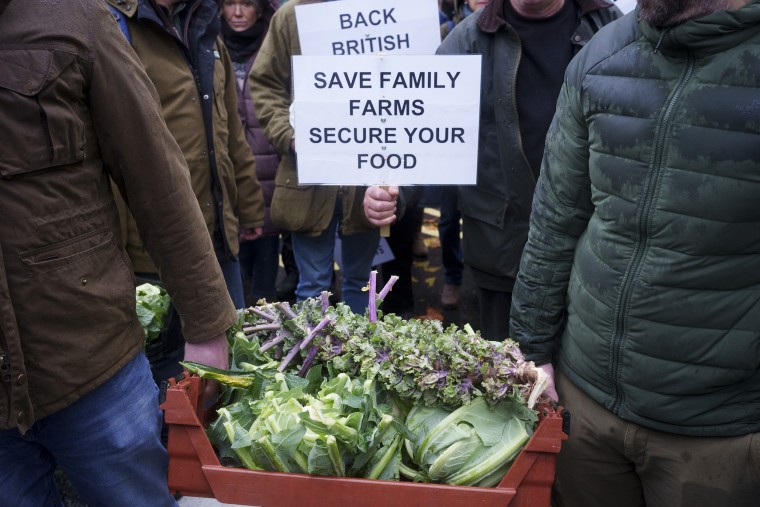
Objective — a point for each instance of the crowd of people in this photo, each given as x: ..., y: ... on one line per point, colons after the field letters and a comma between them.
x: 612, y: 232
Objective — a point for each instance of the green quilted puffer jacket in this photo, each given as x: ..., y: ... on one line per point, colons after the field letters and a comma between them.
x: 641, y: 277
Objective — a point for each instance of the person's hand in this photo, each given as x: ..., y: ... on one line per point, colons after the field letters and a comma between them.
x: 550, y: 390
x: 248, y: 234
x: 213, y: 352
x: 380, y: 205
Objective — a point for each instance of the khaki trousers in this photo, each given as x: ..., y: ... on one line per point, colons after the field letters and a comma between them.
x: 610, y: 462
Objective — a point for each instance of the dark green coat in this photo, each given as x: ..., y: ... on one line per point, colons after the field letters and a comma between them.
x: 641, y: 275
x: 495, y: 212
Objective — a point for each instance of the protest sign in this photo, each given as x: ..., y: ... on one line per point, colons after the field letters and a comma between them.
x: 356, y: 27
x: 372, y: 120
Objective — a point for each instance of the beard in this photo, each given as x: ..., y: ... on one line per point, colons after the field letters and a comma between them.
x: 667, y: 13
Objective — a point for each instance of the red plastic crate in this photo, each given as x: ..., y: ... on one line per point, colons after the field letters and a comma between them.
x: 195, y: 470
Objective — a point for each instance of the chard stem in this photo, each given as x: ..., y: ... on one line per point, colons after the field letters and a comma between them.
x: 248, y: 330
x: 261, y: 313
x: 270, y: 452
x: 274, y: 341
x: 284, y: 307
x: 333, y: 451
x: 387, y: 288
x: 410, y: 473
x: 325, y: 301
x: 313, y: 333
x: 301, y: 461
x: 372, y: 296
x: 381, y: 465
x: 285, y: 362
x: 310, y: 356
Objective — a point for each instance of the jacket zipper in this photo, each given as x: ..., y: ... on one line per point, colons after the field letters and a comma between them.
x: 622, y: 307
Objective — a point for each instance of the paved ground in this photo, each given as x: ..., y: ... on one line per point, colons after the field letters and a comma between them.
x: 202, y: 502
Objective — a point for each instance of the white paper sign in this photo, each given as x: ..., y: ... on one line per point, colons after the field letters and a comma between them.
x: 400, y: 120
x: 356, y: 27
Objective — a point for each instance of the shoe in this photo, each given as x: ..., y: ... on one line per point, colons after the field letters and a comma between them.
x: 450, y: 296
x: 419, y: 248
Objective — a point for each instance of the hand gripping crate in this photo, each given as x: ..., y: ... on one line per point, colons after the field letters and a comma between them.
x: 195, y: 470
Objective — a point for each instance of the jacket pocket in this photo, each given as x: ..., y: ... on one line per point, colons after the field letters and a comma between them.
x: 44, y: 89
x: 51, y: 257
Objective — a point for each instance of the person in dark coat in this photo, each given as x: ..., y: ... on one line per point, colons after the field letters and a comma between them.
x: 525, y: 46
x: 639, y: 286
x: 244, y: 25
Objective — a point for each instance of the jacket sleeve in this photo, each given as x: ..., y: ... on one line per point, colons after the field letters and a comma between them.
x: 149, y: 169
x: 250, y: 198
x: 271, y: 80
x: 561, y: 210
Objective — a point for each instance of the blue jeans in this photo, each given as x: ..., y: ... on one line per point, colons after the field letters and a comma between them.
x: 314, y: 258
x: 259, y: 262
x: 107, y: 443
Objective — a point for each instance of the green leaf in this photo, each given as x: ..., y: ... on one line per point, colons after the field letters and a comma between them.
x: 152, y: 304
x: 245, y: 380
x: 286, y: 444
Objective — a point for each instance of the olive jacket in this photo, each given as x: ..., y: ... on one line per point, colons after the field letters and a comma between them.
x: 195, y: 80
x: 641, y: 275
x: 495, y: 211
x: 78, y: 111
x: 306, y: 209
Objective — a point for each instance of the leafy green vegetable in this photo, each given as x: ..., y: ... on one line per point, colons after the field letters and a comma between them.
x: 469, y: 445
x: 290, y: 424
x: 417, y: 359
x: 152, y: 304
x: 317, y: 389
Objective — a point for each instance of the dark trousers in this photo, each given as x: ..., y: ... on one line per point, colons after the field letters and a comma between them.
x: 494, y: 307
x: 610, y: 462
x: 448, y: 232
x: 400, y: 300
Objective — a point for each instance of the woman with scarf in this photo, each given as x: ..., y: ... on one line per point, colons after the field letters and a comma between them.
x: 244, y: 26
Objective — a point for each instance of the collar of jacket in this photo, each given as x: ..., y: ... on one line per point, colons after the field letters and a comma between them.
x: 707, y: 35
x: 492, y: 18
x: 3, y: 5
x: 126, y: 7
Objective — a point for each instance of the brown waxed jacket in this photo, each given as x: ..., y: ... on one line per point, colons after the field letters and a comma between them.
x: 306, y: 209
x: 75, y: 100
x: 214, y: 145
